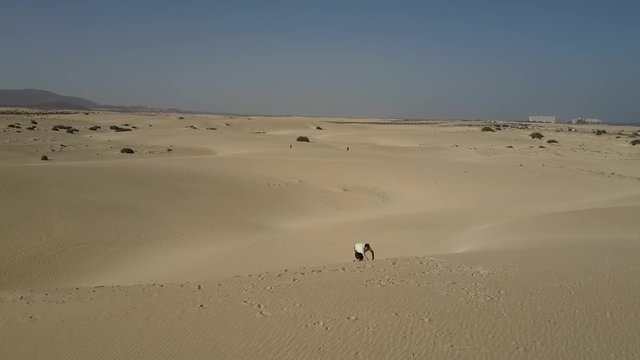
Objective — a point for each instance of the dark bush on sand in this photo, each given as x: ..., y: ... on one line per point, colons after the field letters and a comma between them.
x: 536, y: 135
x: 552, y: 141
x: 487, y: 129
x: 319, y: 128
x: 44, y: 158
x: 302, y: 139
x: 118, y: 128
x: 126, y: 151
x: 635, y: 142
x: 61, y: 127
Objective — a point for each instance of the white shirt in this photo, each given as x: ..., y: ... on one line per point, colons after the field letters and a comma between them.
x: 359, y: 248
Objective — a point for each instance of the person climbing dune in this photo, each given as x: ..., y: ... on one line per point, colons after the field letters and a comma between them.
x: 361, y: 250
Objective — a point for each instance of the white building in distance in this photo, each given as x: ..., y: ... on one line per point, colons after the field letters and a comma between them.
x: 586, y: 121
x: 543, y: 119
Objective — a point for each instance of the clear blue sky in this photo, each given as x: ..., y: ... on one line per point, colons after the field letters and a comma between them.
x: 428, y: 59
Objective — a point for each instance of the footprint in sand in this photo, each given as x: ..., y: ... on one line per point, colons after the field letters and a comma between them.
x: 262, y: 311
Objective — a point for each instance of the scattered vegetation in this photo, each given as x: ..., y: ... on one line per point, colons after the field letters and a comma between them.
x: 552, y: 141
x: 487, y: 129
x: 302, y: 139
x: 35, y: 113
x: 127, y: 151
x: 117, y: 128
x: 536, y: 135
x: 95, y: 127
x: 600, y: 132
x: 61, y: 127
x: 635, y: 142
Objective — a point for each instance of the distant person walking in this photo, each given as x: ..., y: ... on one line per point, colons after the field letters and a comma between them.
x: 361, y: 251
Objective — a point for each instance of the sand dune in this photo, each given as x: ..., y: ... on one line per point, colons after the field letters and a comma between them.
x: 394, y: 308
x: 487, y: 245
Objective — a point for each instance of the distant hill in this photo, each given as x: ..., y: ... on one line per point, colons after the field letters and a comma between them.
x: 43, y: 99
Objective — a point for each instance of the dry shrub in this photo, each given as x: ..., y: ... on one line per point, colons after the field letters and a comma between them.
x: 536, y: 135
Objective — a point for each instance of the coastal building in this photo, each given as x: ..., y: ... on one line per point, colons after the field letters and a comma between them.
x: 586, y: 121
x: 543, y: 119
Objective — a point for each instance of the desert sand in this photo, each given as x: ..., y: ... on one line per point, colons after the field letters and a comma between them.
x: 222, y: 237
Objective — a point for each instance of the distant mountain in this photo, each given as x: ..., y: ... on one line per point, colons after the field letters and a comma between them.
x: 43, y: 99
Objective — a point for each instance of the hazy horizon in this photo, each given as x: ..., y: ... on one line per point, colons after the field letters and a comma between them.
x: 407, y: 59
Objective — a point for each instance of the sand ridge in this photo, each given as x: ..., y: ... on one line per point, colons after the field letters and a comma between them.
x: 392, y: 308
